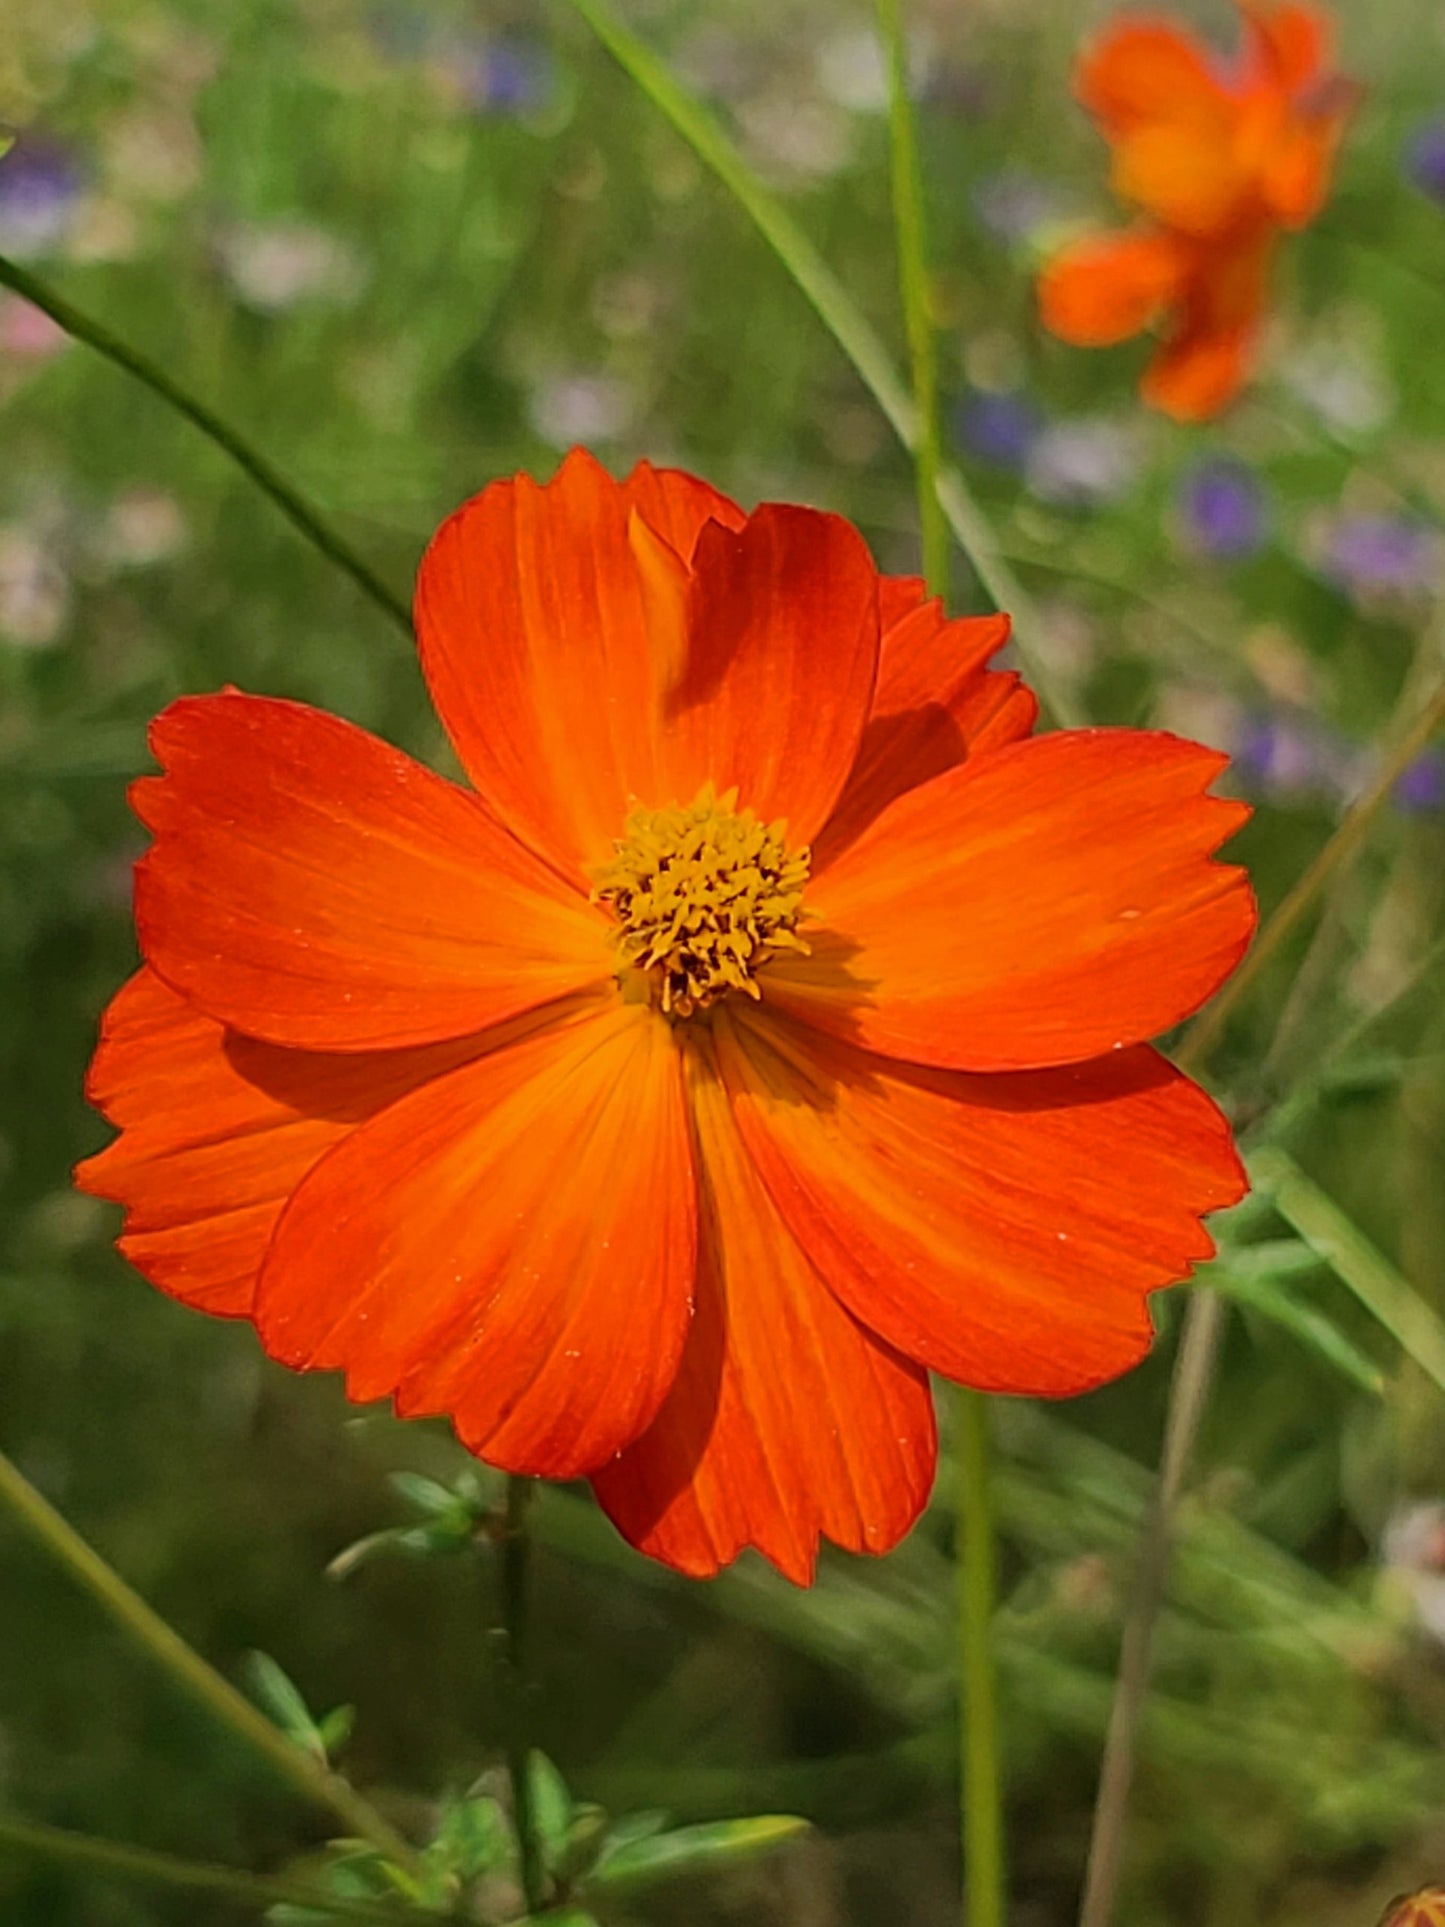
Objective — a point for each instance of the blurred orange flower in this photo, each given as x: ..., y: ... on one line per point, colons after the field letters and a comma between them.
x: 1222, y: 162
x: 1417, y: 1910
x: 763, y: 1026
x: 1424, y: 1909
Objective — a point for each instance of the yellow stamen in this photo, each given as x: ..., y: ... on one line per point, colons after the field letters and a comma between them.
x: 703, y: 895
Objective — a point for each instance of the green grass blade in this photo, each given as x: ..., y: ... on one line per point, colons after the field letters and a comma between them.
x: 1380, y: 1288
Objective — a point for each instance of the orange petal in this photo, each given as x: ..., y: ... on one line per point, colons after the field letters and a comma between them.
x: 1145, y: 71
x: 679, y: 506
x: 1199, y: 373
x: 1003, y: 1230
x: 533, y: 629
x: 1190, y: 177
x: 936, y: 703
x: 1109, y: 287
x: 512, y: 1245
x: 311, y: 885
x: 1039, y: 905
x: 216, y: 1133
x: 1289, y: 46
x: 787, y: 1421
x: 781, y: 662
x: 549, y: 633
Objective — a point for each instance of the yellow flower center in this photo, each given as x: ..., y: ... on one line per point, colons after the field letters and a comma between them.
x: 703, y: 895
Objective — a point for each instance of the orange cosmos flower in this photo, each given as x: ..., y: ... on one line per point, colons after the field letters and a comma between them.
x: 761, y: 1028
x: 1424, y: 1909
x: 1222, y: 163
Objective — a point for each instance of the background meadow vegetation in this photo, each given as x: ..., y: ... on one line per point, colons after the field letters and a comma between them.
x: 409, y: 245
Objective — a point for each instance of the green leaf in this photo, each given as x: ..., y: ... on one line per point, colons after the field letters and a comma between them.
x: 7, y: 141
x: 552, y: 1808
x: 277, y: 1695
x: 720, y: 1843
x: 429, y: 1496
x: 1354, y: 1260
x: 335, y: 1728
x: 473, y: 1838
x: 1254, y: 1279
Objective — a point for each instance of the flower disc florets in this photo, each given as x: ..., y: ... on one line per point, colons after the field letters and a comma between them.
x: 703, y: 894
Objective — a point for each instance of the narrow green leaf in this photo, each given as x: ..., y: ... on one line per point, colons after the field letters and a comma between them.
x: 842, y: 318
x: 7, y: 141
x: 429, y: 1496
x: 278, y: 1695
x: 1354, y: 1260
x: 646, y: 1863
x: 1259, y: 1289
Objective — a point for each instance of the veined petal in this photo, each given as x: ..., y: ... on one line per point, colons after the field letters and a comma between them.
x: 1039, y: 905
x: 217, y: 1130
x: 787, y: 1421
x: 679, y: 506
x: 935, y: 704
x: 532, y: 625
x: 780, y: 665
x: 1003, y: 1230
x: 311, y: 885
x: 583, y: 663
x: 1109, y: 287
x: 512, y: 1245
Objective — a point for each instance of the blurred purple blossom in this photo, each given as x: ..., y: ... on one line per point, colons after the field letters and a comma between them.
x: 1286, y: 756
x: 1000, y: 428
x: 1382, y: 555
x: 508, y: 77
x: 1421, y: 790
x: 1425, y: 158
x: 1223, y: 508
x: 40, y: 185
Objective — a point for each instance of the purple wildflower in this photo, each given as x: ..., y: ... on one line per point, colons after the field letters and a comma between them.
x: 1223, y: 508
x: 1421, y: 790
x: 1382, y: 555
x: 1425, y: 158
x: 40, y: 183
x: 998, y: 428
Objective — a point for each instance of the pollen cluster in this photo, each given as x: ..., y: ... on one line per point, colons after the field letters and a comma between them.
x: 703, y: 894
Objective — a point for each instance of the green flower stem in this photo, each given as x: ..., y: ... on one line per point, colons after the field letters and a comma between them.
x: 142, y: 1864
x: 984, y: 1869
x: 306, y: 1774
x: 911, y: 230
x: 853, y: 333
x: 292, y: 505
x: 1203, y: 1330
x: 516, y: 1550
x: 976, y: 1558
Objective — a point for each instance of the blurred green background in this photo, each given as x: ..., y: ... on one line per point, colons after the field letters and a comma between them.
x: 413, y: 244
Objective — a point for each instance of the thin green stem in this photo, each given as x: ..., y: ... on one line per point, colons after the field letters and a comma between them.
x: 309, y: 1776
x: 1204, y: 1326
x: 292, y: 505
x: 976, y: 1557
x: 119, y: 1861
x: 516, y: 1551
x: 984, y: 1871
x: 911, y: 231
x: 853, y: 333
